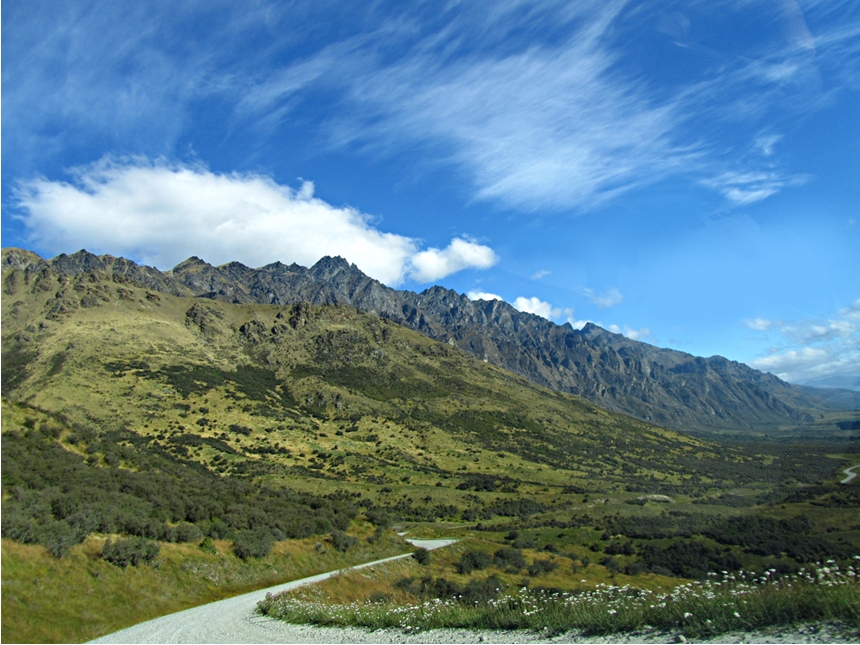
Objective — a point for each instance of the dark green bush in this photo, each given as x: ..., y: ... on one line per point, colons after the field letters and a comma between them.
x: 477, y: 591
x: 207, y: 546
x: 130, y: 551
x: 253, y: 544
x: 611, y: 564
x: 541, y: 567
x: 509, y: 557
x: 378, y: 517
x: 689, y: 559
x: 422, y: 556
x: 617, y: 548
x: 341, y: 541
x: 187, y: 532
x: 473, y: 560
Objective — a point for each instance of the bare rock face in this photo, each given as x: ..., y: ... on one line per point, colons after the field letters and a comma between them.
x: 662, y: 386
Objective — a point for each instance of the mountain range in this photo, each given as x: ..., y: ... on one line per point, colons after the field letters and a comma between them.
x: 662, y: 386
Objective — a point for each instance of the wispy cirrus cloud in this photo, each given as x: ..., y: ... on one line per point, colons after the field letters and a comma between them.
x: 604, y: 300
x: 749, y: 187
x: 537, y: 105
x: 162, y: 213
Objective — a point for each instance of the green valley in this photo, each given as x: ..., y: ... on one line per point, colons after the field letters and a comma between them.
x: 234, y: 433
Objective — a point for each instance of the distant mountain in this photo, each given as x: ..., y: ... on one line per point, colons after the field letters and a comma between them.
x: 662, y: 386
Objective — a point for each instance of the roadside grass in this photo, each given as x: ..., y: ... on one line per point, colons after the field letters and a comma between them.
x: 720, y: 604
x: 81, y: 597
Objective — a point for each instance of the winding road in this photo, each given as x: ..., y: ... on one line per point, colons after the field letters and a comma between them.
x: 233, y: 620
x: 851, y: 474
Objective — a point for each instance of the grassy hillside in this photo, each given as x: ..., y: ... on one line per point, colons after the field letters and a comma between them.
x: 256, y: 428
x: 319, y: 393
x: 81, y: 596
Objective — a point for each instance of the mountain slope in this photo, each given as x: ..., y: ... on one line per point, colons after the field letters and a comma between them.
x: 662, y: 386
x: 314, y: 392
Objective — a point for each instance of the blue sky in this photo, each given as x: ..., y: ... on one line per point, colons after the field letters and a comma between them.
x: 686, y: 173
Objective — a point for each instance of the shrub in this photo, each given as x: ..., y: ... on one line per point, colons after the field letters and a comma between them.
x: 615, y: 548
x: 58, y: 537
x: 690, y: 559
x: 187, y: 532
x: 509, y: 557
x: 481, y: 591
x: 472, y: 560
x: 423, y: 557
x: 475, y: 592
x: 208, y: 546
x: 253, y: 544
x: 130, y: 551
x: 378, y: 517
x: 523, y: 543
x: 341, y: 541
x: 611, y: 564
x: 541, y: 567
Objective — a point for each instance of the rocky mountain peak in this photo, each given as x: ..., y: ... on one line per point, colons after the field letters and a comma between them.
x: 328, y: 267
x: 663, y: 386
x: 14, y: 258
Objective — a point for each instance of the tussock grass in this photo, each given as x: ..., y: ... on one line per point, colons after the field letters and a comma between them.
x: 720, y: 604
x: 81, y: 596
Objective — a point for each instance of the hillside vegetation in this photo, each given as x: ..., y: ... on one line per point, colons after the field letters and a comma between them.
x: 140, y: 419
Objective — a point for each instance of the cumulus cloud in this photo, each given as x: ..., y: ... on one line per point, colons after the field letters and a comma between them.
x: 483, y: 295
x: 814, y: 350
x: 161, y: 213
x: 434, y: 264
x: 605, y: 300
x: 535, y: 305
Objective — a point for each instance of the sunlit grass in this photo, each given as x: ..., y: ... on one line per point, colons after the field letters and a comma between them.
x: 81, y: 596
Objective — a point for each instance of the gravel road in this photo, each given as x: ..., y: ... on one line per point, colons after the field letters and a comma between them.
x: 233, y: 621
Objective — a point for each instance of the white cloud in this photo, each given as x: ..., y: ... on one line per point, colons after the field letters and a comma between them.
x: 434, y: 264
x: 541, y: 274
x: 535, y: 102
x: 765, y: 143
x: 759, y: 324
x: 161, y: 213
x: 548, y: 127
x: 605, y: 300
x: 744, y: 188
x: 814, y: 350
x: 632, y: 334
x: 535, y: 305
x: 483, y: 295
x: 806, y: 332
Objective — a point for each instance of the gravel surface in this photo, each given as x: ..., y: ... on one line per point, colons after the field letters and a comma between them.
x: 233, y: 621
